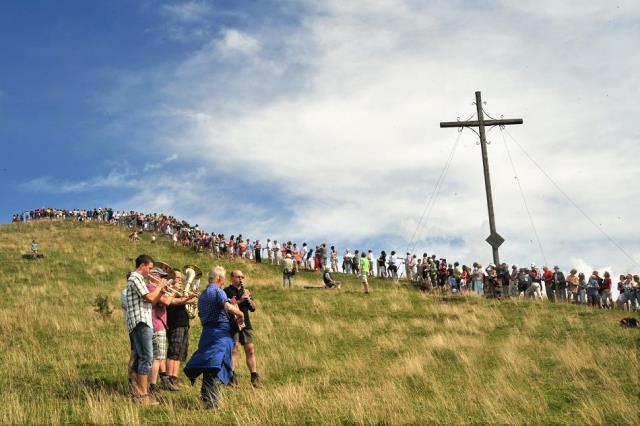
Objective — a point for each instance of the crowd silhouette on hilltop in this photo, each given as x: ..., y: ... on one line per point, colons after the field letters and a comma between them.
x: 427, y: 272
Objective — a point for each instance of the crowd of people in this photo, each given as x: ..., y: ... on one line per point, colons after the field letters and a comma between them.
x: 427, y: 272
x: 156, y: 301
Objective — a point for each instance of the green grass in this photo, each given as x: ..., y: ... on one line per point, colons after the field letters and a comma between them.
x: 327, y: 357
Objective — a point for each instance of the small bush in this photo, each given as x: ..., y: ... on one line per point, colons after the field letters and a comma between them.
x: 103, y: 307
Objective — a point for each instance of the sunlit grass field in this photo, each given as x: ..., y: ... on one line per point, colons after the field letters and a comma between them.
x: 395, y: 356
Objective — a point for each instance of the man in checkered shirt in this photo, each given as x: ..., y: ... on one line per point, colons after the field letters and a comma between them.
x: 139, y: 324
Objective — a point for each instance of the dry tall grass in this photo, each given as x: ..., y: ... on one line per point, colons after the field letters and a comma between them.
x: 331, y: 357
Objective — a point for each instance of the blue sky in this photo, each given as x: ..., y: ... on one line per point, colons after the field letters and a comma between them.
x: 319, y: 120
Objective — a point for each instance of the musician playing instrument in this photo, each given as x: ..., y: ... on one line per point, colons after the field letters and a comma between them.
x: 177, y: 335
x: 241, y: 297
x: 159, y: 320
x: 213, y: 357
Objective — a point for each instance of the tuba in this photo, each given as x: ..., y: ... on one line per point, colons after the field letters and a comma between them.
x: 192, y: 286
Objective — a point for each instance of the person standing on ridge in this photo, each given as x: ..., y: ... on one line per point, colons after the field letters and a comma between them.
x: 288, y: 271
x: 364, y: 272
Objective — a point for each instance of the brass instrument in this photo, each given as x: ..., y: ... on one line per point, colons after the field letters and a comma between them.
x: 169, y: 277
x: 171, y: 273
x: 192, y: 287
x: 174, y: 287
x: 173, y: 290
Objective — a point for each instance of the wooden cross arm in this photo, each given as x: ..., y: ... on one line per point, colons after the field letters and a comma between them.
x: 475, y: 123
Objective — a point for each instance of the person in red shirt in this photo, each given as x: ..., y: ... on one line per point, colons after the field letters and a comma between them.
x: 231, y: 246
x: 606, y: 301
x: 549, y: 284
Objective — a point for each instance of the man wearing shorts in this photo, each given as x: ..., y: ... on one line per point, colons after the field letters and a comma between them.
x: 159, y: 320
x: 177, y: 336
x: 240, y: 296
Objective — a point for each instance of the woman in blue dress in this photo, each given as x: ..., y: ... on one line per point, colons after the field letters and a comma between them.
x: 213, y: 357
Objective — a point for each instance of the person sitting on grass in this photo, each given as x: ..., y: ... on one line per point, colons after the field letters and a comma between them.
x: 328, y: 280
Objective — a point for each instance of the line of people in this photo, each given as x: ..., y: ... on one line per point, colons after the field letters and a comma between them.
x: 428, y: 272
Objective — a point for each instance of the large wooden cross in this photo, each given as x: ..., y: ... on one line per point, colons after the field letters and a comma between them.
x: 494, y: 239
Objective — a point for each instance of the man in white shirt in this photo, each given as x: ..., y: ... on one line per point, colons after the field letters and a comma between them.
x: 277, y: 253
x: 270, y: 251
x: 348, y: 257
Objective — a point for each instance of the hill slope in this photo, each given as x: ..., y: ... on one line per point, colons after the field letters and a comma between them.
x: 395, y: 356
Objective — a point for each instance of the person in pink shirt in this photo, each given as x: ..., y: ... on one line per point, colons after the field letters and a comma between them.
x: 159, y: 321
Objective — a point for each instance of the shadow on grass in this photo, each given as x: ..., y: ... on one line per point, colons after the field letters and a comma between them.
x: 455, y: 300
x: 30, y: 256
x: 77, y: 389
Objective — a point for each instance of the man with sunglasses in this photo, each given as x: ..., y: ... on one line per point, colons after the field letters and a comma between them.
x: 241, y: 297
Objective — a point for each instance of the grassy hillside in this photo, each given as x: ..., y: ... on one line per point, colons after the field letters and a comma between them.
x: 395, y: 356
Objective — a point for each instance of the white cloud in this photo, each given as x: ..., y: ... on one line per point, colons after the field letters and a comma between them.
x: 155, y: 166
x: 577, y: 9
x: 114, y: 179
x: 340, y: 117
x: 235, y: 41
x: 188, y: 12
x: 187, y: 21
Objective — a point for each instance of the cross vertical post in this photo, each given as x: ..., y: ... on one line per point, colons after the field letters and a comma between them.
x: 494, y: 239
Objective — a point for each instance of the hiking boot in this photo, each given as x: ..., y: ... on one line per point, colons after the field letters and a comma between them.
x: 234, y: 381
x: 255, y: 381
x: 176, y: 382
x: 164, y: 382
x: 172, y: 384
x: 153, y: 389
x: 169, y: 384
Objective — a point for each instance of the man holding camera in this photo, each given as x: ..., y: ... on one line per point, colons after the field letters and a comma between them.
x: 240, y: 296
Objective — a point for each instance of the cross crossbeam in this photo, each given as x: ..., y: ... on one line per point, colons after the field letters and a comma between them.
x: 476, y: 123
x: 494, y: 239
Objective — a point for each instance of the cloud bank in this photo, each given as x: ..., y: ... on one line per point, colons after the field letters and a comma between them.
x: 327, y: 130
